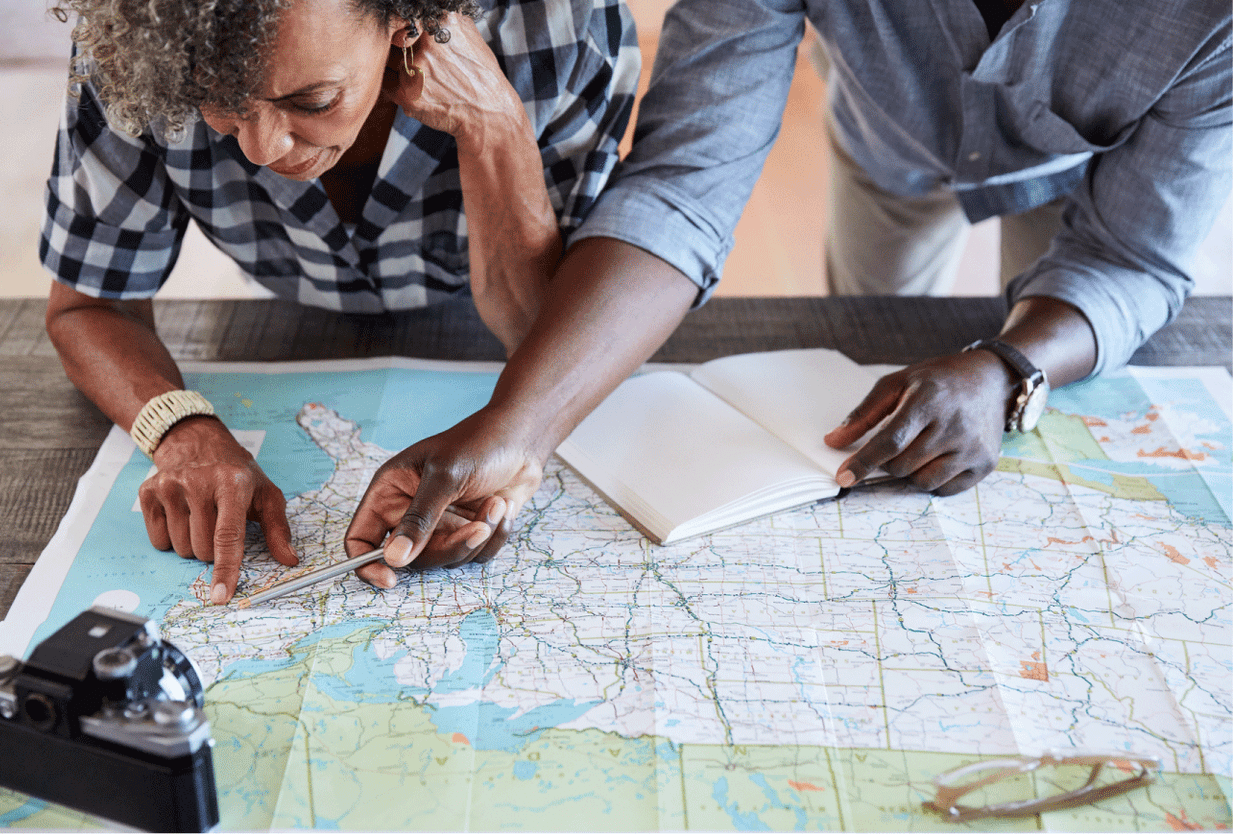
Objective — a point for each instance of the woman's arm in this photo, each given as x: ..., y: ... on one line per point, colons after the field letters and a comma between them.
x: 513, y: 238
x: 207, y: 485
x: 512, y: 233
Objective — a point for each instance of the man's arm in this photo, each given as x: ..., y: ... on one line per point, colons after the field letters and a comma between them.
x: 946, y: 415
x: 1116, y: 272
x: 611, y: 306
x: 207, y: 485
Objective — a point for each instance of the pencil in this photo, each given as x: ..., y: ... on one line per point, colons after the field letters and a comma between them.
x: 312, y: 577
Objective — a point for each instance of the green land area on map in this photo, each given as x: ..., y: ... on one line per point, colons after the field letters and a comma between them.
x: 293, y: 757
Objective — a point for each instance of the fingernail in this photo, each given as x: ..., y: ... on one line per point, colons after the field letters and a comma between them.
x: 496, y: 512
x: 478, y: 537
x: 845, y: 479
x: 218, y: 594
x: 398, y: 551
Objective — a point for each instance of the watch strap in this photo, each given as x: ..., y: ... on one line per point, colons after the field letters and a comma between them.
x: 1009, y: 354
x: 1025, y: 409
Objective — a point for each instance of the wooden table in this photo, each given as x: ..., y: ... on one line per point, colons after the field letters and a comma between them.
x: 49, y: 433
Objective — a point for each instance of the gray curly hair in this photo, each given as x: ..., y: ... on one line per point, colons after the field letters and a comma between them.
x: 158, y: 61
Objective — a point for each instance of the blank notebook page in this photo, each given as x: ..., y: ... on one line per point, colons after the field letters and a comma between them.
x: 680, y: 450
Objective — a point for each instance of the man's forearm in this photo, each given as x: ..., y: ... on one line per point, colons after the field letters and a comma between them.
x: 1054, y: 335
x: 611, y: 306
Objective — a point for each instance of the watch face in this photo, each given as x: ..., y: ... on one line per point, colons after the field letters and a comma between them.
x: 1031, y: 406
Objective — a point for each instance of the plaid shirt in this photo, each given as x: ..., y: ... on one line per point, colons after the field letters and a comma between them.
x: 117, y: 207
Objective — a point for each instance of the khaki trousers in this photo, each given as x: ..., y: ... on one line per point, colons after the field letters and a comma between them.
x: 878, y: 243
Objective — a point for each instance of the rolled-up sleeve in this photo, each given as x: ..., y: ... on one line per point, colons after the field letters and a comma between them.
x: 1131, y: 231
x: 704, y: 129
x: 114, y: 224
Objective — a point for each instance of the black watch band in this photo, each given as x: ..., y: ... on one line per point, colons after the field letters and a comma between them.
x: 1008, y: 354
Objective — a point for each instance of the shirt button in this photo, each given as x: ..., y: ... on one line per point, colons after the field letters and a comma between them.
x: 973, y: 156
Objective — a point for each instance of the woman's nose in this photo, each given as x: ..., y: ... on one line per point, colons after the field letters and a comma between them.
x: 263, y: 137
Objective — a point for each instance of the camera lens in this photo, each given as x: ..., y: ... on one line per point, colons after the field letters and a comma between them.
x: 40, y: 711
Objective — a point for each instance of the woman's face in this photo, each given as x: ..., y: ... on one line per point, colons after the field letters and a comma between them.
x: 322, y: 80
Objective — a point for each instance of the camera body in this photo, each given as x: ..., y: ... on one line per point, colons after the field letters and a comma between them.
x: 106, y: 717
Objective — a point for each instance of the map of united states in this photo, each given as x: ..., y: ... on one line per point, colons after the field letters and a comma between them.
x: 812, y: 669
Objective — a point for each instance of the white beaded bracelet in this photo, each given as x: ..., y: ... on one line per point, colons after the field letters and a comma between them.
x: 163, y: 412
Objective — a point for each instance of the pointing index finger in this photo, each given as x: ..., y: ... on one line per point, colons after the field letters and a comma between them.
x: 228, y: 546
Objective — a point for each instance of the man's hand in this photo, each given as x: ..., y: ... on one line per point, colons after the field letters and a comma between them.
x: 445, y: 501
x: 207, y: 486
x: 945, y: 417
x: 944, y: 431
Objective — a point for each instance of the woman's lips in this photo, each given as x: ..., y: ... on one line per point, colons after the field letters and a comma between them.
x: 292, y: 171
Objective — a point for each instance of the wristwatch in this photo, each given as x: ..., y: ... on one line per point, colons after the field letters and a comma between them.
x: 1029, y: 404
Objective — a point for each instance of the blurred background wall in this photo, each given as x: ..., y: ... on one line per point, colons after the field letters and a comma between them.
x: 778, y: 241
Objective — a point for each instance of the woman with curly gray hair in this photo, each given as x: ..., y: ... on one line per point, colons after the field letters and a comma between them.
x: 361, y: 155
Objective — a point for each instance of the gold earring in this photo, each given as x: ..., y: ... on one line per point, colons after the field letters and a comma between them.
x: 409, y: 66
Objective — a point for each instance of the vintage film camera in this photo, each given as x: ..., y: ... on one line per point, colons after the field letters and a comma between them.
x: 105, y: 717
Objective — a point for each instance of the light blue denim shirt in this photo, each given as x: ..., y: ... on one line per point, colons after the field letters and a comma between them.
x: 1124, y: 105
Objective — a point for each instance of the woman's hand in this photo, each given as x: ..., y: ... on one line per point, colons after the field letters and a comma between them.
x: 207, y: 486
x: 514, y: 243
x: 445, y: 501
x: 944, y: 432
x: 457, y: 88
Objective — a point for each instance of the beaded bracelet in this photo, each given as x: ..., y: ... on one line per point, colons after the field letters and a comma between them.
x: 161, y: 413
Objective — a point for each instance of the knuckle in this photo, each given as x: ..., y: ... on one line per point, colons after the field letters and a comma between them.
x: 239, y: 478
x: 900, y: 436
x: 414, y: 520
x: 898, y: 469
x: 228, y: 537
x: 450, y: 471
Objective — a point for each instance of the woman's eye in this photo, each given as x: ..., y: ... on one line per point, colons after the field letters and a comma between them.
x: 316, y: 107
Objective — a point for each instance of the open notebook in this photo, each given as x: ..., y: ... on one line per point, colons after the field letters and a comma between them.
x: 735, y: 439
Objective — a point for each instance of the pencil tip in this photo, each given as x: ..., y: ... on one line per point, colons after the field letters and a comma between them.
x: 244, y: 603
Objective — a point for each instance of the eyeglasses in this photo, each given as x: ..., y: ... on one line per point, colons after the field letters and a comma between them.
x: 1025, y: 785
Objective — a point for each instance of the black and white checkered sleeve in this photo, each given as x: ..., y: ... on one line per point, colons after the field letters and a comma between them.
x: 114, y: 224
x: 581, y: 93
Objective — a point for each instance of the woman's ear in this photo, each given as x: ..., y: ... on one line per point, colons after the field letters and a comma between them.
x: 403, y: 32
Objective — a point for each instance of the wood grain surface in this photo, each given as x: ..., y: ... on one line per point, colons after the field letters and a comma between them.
x: 49, y: 433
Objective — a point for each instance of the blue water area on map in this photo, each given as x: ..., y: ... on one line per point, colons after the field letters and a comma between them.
x: 1205, y: 496
x: 524, y: 770
x: 21, y: 812
x: 1204, y: 489
x: 741, y: 820
x: 394, y: 406
x: 419, y: 404
x: 486, y: 725
x: 371, y: 679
